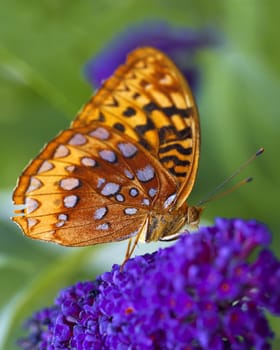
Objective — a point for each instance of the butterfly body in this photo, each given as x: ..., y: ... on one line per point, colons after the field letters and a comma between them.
x: 124, y: 168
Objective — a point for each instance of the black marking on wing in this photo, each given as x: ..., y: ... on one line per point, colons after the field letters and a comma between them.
x: 141, y: 129
x: 178, y: 147
x: 165, y: 131
x: 129, y: 112
x: 113, y: 103
x: 101, y: 117
x: 173, y: 110
x: 184, y: 133
x: 175, y: 160
x: 174, y: 172
x: 150, y: 107
x: 119, y: 127
x: 145, y: 144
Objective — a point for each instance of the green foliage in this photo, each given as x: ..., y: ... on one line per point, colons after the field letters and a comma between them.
x: 43, y: 47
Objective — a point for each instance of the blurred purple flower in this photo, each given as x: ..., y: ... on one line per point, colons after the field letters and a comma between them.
x: 201, y: 293
x: 179, y: 43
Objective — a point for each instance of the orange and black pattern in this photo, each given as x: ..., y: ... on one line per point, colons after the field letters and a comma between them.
x: 124, y: 168
x: 149, y: 100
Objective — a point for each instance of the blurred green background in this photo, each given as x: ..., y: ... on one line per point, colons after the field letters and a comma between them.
x: 43, y: 48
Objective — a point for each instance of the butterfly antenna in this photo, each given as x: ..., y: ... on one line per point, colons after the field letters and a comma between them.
x: 213, y: 194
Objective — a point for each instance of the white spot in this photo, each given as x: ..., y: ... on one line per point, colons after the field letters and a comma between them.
x: 60, y: 223
x: 69, y: 184
x: 70, y: 201
x: 130, y: 211
x: 110, y: 188
x: 133, y: 192
x: 100, y: 182
x: 70, y: 168
x: 62, y: 217
x: 45, y: 166
x: 152, y: 192
x: 103, y: 226
x: 31, y: 222
x: 88, y: 161
x: 108, y: 155
x: 100, y: 133
x: 61, y: 151
x: 146, y: 201
x: 146, y: 174
x: 31, y: 205
x: 119, y: 197
x: 128, y: 174
x: 128, y: 150
x: 169, y: 200
x: 166, y: 80
x: 34, y: 184
x: 100, y: 213
x: 78, y: 139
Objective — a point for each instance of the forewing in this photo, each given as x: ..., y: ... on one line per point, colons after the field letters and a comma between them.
x: 149, y: 100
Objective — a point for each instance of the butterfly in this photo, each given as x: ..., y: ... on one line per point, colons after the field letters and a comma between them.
x: 124, y: 168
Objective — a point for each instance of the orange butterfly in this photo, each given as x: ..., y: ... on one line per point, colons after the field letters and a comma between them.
x: 124, y: 168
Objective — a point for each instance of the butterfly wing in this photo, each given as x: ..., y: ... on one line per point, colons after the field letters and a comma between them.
x: 132, y: 148
x: 89, y: 185
x: 149, y: 100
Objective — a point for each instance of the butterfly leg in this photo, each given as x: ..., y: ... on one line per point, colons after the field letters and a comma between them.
x: 132, y: 245
x: 128, y: 250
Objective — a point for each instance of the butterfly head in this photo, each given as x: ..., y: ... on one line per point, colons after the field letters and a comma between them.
x: 166, y: 225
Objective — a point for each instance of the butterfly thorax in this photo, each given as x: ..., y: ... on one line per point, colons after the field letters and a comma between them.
x: 165, y: 225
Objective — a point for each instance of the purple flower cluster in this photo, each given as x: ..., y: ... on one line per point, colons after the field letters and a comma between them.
x: 179, y: 43
x: 201, y: 293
